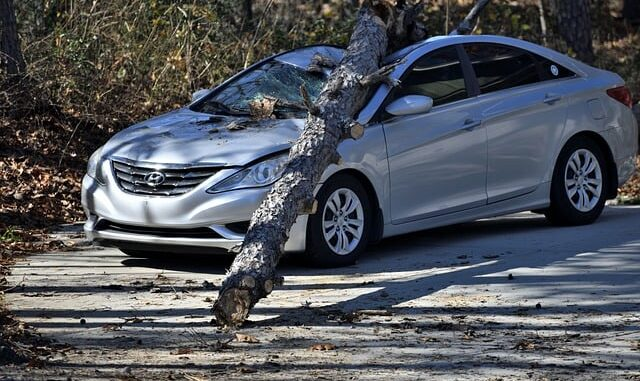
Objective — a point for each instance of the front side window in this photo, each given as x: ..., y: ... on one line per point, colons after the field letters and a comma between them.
x: 499, y: 67
x: 437, y: 75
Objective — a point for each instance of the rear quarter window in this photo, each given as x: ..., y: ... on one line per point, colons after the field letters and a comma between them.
x: 551, y: 70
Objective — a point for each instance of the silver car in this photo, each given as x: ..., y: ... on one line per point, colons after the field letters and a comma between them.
x: 480, y: 126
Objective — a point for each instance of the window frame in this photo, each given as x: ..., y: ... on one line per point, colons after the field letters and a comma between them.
x: 467, y: 72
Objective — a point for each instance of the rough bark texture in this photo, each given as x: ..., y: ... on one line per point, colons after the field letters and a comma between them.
x: 252, y: 275
x: 574, y: 23
x: 10, y: 53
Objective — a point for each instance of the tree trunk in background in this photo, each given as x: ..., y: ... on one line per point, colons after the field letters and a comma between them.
x: 253, y: 273
x: 631, y: 11
x: 247, y: 14
x: 11, y: 54
x: 574, y: 24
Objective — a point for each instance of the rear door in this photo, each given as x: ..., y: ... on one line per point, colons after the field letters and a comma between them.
x: 524, y: 114
x: 437, y: 160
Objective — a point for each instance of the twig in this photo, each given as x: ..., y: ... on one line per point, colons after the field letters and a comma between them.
x: 67, y: 145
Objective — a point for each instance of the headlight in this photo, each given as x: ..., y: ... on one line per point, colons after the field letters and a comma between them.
x: 94, y: 166
x: 258, y: 175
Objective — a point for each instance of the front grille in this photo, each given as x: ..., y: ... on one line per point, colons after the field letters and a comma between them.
x: 160, y: 232
x: 134, y: 178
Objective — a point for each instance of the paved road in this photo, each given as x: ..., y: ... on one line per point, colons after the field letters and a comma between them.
x: 436, y: 304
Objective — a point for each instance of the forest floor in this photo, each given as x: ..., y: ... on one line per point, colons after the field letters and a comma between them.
x: 504, y: 298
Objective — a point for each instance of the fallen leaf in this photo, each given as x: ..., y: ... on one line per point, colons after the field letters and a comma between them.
x: 182, y: 351
x: 524, y: 345
x: 242, y: 338
x: 246, y: 369
x: 323, y: 347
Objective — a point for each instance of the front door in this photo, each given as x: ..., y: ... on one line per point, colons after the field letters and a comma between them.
x: 437, y: 160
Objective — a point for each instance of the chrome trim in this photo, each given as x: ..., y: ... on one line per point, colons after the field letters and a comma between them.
x: 151, y: 239
x: 156, y: 165
x: 134, y: 178
x: 226, y: 233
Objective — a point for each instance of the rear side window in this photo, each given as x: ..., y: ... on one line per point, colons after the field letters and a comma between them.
x: 437, y: 75
x: 551, y: 70
x: 500, y: 67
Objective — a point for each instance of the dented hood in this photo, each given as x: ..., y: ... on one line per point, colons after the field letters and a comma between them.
x: 187, y: 137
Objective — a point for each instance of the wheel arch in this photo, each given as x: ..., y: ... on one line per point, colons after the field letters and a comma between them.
x: 612, y: 170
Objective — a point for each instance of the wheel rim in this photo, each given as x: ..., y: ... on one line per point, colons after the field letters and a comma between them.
x: 343, y: 221
x: 583, y: 180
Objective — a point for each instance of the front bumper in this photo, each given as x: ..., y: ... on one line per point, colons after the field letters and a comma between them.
x: 121, y: 219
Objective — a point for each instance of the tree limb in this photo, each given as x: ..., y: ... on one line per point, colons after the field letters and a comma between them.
x: 466, y: 25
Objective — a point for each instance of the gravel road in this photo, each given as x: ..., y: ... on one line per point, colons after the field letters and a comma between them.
x: 505, y: 298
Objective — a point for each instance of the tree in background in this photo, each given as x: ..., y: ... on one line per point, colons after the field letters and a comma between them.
x: 10, y: 53
x: 631, y: 11
x: 247, y: 13
x: 574, y: 25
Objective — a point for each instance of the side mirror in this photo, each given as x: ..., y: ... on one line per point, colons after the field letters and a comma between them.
x: 409, y: 105
x: 199, y: 94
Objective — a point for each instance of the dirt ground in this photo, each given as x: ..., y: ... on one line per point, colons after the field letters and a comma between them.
x: 510, y: 298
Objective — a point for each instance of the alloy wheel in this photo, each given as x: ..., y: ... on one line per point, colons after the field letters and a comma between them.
x: 583, y: 180
x: 343, y: 221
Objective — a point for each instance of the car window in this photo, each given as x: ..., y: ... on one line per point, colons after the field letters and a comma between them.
x: 551, y: 70
x: 273, y: 79
x: 499, y: 67
x: 437, y: 75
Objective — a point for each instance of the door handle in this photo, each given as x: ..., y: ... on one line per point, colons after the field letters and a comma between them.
x: 472, y: 124
x: 552, y: 98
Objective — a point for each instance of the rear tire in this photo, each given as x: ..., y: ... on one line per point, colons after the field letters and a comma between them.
x: 579, y: 184
x: 339, y: 231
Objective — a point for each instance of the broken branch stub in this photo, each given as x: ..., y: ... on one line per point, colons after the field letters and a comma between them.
x: 342, y: 97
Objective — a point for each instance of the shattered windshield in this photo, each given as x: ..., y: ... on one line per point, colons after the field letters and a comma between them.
x: 272, y: 82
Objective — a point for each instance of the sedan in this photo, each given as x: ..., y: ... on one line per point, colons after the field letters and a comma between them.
x: 479, y: 126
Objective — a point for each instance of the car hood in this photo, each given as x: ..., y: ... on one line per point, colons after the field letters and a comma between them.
x: 187, y: 137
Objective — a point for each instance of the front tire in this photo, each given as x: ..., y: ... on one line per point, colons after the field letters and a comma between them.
x: 578, y: 187
x: 339, y: 231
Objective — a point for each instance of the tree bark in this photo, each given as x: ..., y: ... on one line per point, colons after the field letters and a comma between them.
x: 10, y: 52
x: 574, y: 24
x: 252, y: 275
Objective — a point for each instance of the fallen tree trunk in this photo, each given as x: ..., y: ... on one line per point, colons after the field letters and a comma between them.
x: 253, y: 273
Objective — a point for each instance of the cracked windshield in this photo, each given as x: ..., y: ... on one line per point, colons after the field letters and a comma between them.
x: 273, y: 80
